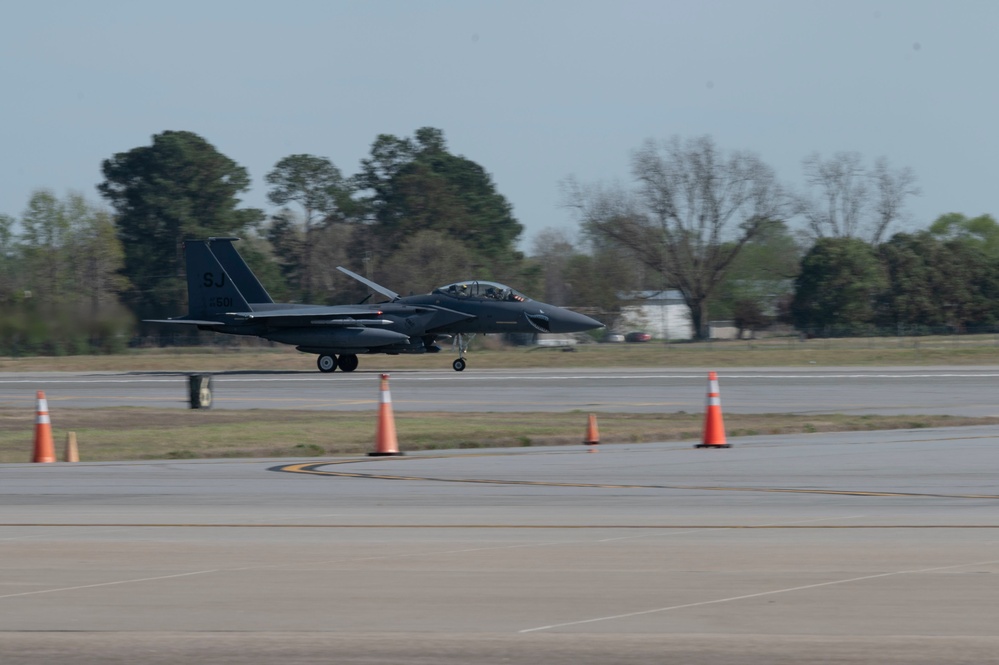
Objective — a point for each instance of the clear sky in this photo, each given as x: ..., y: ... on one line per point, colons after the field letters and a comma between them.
x: 532, y: 90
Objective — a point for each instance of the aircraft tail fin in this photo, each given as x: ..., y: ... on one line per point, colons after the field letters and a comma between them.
x: 233, y: 263
x: 211, y: 292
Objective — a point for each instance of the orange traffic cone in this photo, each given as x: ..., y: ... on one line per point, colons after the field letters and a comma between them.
x: 44, y: 450
x: 592, y: 434
x: 385, y: 439
x: 714, y: 428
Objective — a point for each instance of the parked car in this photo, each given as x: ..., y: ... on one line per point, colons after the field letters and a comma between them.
x: 616, y: 338
x: 555, y: 340
x: 638, y: 337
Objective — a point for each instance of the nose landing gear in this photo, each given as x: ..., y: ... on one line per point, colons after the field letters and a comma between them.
x: 461, y: 340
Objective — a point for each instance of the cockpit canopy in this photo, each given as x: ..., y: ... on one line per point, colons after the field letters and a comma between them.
x: 482, y: 290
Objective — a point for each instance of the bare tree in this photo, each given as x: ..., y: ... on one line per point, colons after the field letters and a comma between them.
x: 850, y: 200
x: 552, y: 249
x: 891, y: 190
x: 692, y: 211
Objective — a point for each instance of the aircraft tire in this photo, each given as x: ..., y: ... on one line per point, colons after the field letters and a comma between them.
x: 326, y: 363
x: 459, y: 365
x: 347, y: 362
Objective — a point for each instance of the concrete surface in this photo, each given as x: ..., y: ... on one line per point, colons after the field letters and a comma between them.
x: 832, y: 548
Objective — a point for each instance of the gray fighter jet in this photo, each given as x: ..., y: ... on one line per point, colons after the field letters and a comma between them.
x: 225, y: 296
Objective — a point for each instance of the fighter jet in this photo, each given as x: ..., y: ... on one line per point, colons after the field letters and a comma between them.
x: 225, y: 296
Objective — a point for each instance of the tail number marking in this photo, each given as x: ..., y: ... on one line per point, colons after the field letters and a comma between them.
x: 208, y: 280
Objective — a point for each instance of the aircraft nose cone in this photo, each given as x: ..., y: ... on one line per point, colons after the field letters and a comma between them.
x: 567, y: 321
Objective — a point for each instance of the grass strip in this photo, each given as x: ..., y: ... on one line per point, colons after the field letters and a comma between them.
x: 784, y: 352
x: 133, y: 433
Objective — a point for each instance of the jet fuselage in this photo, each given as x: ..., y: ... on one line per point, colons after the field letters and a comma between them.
x: 218, y: 280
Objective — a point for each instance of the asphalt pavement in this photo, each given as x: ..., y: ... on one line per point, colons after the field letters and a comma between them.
x: 836, y: 548
x: 956, y: 391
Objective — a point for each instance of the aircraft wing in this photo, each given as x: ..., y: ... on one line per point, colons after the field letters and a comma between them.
x: 190, y: 322
x: 334, y: 316
x: 349, y: 314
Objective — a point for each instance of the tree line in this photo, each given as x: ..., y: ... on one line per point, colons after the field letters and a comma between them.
x: 78, y: 276
x: 414, y: 216
x: 943, y: 278
x: 61, y: 279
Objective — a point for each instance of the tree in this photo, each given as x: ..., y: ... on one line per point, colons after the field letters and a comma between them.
x: 937, y: 278
x: 413, y: 185
x: 318, y: 187
x: 71, y: 251
x: 11, y: 274
x: 552, y: 251
x: 851, y: 201
x: 911, y: 262
x: 287, y: 240
x: 840, y: 283
x: 693, y: 210
x: 179, y: 187
x: 982, y: 231
x: 969, y: 288
x: 63, y: 294
x: 760, y: 279
x: 46, y: 226
x: 426, y: 260
x: 6, y: 234
x: 598, y: 279
x: 95, y: 257
x: 314, y: 183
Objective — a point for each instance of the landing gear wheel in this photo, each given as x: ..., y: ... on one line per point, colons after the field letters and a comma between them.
x: 326, y: 363
x: 347, y: 362
x: 461, y: 340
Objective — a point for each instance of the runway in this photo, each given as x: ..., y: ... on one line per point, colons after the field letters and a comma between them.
x: 835, y: 548
x: 887, y: 391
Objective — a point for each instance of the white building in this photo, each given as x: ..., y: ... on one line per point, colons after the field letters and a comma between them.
x: 663, y: 314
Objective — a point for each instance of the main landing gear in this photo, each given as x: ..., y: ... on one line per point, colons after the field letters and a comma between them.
x: 347, y: 362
